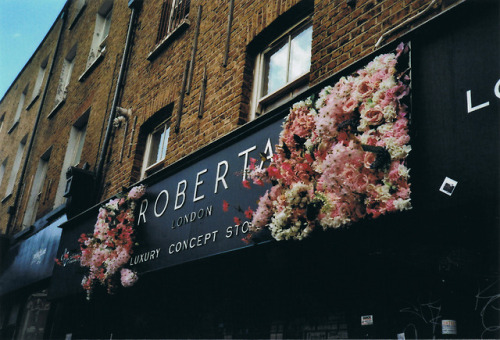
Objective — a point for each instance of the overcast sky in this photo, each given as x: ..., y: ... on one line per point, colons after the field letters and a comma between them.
x: 23, y: 25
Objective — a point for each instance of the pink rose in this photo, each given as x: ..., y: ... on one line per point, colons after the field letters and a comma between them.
x: 350, y: 105
x: 374, y: 116
x: 369, y: 159
x: 365, y: 89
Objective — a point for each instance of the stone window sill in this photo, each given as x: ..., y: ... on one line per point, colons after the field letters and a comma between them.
x: 35, y: 98
x: 6, y: 198
x: 92, y: 66
x: 16, y: 123
x: 56, y: 108
x: 167, y: 40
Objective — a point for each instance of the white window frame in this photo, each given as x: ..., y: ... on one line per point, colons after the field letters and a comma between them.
x: 101, y: 31
x: 261, y: 103
x: 35, y: 192
x: 64, y: 79
x: 73, y: 154
x: 16, y: 166
x: 148, y: 169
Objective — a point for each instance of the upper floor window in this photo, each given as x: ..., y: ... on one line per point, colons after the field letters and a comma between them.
x: 67, y: 69
x: 2, y: 170
x: 2, y: 119
x: 282, y: 68
x: 156, y: 132
x: 79, y: 7
x: 73, y: 154
x: 36, y: 189
x: 20, y: 106
x: 16, y: 166
x: 101, y: 31
x: 173, y: 13
x: 39, y: 79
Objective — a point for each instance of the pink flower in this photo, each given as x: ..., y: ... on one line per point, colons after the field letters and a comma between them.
x: 374, y: 116
x: 365, y: 89
x: 128, y: 277
x: 137, y: 192
x: 369, y: 159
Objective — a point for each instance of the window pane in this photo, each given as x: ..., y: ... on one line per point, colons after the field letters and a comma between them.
x: 159, y: 142
x: 276, y: 65
x: 300, y: 55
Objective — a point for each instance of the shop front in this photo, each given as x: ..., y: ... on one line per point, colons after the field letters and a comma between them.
x: 430, y: 271
x: 26, y: 271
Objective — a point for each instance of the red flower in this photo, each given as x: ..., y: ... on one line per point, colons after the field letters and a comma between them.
x: 225, y: 206
x: 273, y: 172
x: 246, y: 184
x: 237, y: 220
x: 249, y: 213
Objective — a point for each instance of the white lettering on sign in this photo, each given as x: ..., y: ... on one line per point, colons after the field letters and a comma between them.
x: 470, y: 108
x: 245, y: 164
x: 145, y: 257
x: 185, y: 191
x: 220, y: 178
x: 197, y: 184
x: 193, y: 242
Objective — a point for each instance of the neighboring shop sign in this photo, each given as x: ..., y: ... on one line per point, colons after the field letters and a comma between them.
x: 31, y: 260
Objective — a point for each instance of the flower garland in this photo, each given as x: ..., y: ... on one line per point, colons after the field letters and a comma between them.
x: 108, y: 249
x: 340, y: 158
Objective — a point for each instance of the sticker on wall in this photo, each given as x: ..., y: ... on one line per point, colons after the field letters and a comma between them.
x: 448, y: 186
x: 367, y: 320
x: 449, y: 326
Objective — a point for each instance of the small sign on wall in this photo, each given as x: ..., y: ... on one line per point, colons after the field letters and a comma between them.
x: 367, y: 320
x: 448, y: 327
x: 448, y: 186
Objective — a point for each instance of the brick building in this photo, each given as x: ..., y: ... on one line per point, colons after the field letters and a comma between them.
x: 180, y: 96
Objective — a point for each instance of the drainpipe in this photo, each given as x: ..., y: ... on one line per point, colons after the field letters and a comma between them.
x: 62, y: 16
x: 135, y: 6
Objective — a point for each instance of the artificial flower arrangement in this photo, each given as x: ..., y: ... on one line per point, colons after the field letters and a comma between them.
x: 108, y: 249
x: 340, y: 158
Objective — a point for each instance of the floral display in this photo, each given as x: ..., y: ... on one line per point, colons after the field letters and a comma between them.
x: 340, y: 158
x: 108, y: 249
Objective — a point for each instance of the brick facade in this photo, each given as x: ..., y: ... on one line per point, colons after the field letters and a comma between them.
x: 343, y: 32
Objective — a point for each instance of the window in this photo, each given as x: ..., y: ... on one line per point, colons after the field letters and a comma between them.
x: 282, y: 68
x: 79, y: 7
x: 173, y: 14
x: 36, y: 189
x: 34, y: 316
x: 67, y: 69
x: 16, y: 166
x: 73, y: 154
x: 101, y: 31
x: 2, y: 170
x: 156, y: 132
x: 39, y: 79
x: 156, y: 147
x: 1, y: 121
x: 20, y: 106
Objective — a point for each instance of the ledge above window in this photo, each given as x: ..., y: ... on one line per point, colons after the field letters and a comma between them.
x: 93, y: 65
x: 167, y: 40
